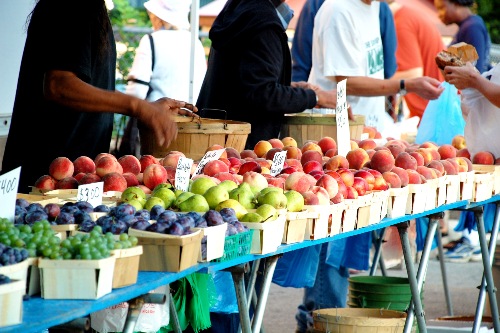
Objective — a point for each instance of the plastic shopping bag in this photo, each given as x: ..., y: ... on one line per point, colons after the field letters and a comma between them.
x: 442, y: 118
x: 297, y: 268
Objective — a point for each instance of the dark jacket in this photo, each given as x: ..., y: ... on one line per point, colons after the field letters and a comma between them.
x: 249, y: 70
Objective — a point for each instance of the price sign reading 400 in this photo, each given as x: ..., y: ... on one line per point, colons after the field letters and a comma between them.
x: 9, y: 183
x: 91, y: 193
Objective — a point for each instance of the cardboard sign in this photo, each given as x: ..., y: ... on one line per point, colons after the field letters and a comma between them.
x: 182, y: 173
x: 278, y: 162
x: 9, y: 184
x: 341, y: 116
x: 209, y: 156
x: 91, y: 193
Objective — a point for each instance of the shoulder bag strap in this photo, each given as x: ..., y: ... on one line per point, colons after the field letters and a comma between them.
x: 152, y: 60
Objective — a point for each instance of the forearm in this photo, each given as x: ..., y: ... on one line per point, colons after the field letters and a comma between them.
x: 368, y: 87
x: 410, y: 73
x: 489, y: 89
x: 67, y: 89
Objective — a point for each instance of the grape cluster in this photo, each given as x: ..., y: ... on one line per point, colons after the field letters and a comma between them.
x: 11, y: 256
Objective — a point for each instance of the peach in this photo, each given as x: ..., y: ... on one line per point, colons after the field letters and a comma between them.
x: 372, y: 131
x: 249, y: 166
x: 312, y: 166
x: 392, y: 179
x: 366, y: 175
x: 381, y: 148
x: 276, y: 143
x: 435, y: 154
x: 380, y: 183
x: 90, y: 178
x: 140, y: 178
x: 262, y: 147
x: 429, y: 144
x: 382, y: 160
x: 347, y: 176
x: 370, y: 153
x: 322, y: 194
x: 351, y: 193
x: 67, y: 183
x: 367, y: 144
x: 235, y: 164
x: 406, y: 161
x: 482, y: 157
x: 293, y: 152
x: 291, y: 162
x: 402, y: 174
x: 215, y: 166
x: 61, y: 167
x: 316, y: 174
x: 458, y: 142
x: 463, y: 164
x: 336, y: 162
x: 170, y: 173
x: 276, y: 182
x: 288, y: 170
x: 146, y: 160
x: 464, y: 152
x: 395, y: 149
x: 447, y: 151
x: 264, y: 163
x: 331, y: 152
x: 271, y: 152
x: 357, y: 158
x: 360, y: 185
x: 436, y: 164
x: 311, y: 155
x: 114, y: 181
x: 426, y: 154
x: 172, y: 158
x: 455, y: 164
x: 337, y: 199
x: 428, y: 173
x: 449, y: 168
x: 289, y: 141
x: 232, y: 152
x: 342, y: 188
x: 297, y: 181
x: 146, y: 189
x: 310, y: 145
x: 418, y: 157
x: 131, y: 179
x: 354, y: 144
x: 101, y: 155
x: 153, y: 175
x: 217, y: 147
x: 413, y: 177
x: 83, y: 164
x: 45, y: 182
x: 248, y: 153
x: 497, y: 161
x: 226, y: 161
x: 327, y: 143
x: 106, y: 165
x: 79, y: 176
x: 329, y: 184
x: 130, y: 163
x: 310, y: 198
x: 222, y: 176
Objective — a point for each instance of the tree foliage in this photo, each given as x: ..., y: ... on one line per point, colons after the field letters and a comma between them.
x: 489, y: 11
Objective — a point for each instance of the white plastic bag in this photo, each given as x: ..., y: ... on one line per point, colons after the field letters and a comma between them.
x: 151, y: 319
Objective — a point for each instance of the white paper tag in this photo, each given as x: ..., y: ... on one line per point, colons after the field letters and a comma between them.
x: 341, y: 116
x: 91, y: 193
x: 209, y: 156
x: 9, y: 184
x: 278, y: 162
x: 182, y: 173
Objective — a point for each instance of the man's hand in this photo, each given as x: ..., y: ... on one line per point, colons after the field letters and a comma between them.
x: 426, y: 87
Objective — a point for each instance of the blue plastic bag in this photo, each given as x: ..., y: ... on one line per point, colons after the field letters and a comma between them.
x: 297, y: 268
x: 442, y: 118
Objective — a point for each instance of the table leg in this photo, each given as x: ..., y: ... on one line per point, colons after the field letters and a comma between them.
x: 238, y: 274
x: 377, y: 257
x: 174, y: 319
x: 270, y: 265
x: 487, y: 283
x: 410, y: 269
x: 444, y: 276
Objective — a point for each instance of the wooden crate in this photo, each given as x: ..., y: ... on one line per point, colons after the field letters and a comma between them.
x: 466, y: 185
x: 65, y: 230
x: 335, y: 220
x: 126, y: 266
x: 417, y: 194
x: 350, y: 216
x: 452, y: 188
x: 61, y: 194
x: 267, y: 235
x: 311, y: 126
x: 215, y: 241
x: 17, y: 271
x: 494, y: 170
x: 364, y: 209
x: 295, y: 227
x: 396, y: 202
x: 76, y: 279
x: 194, y: 137
x: 167, y: 253
x: 378, y: 208
x: 482, y: 188
x: 11, y: 302
x: 317, y: 222
x: 37, y: 198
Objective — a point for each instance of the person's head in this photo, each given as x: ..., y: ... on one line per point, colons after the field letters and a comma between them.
x: 168, y: 13
x: 453, y: 11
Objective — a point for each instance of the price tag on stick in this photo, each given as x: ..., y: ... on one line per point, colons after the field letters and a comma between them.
x: 182, y: 173
x: 209, y: 156
x: 278, y: 162
x: 9, y: 184
x: 343, y: 134
x: 91, y: 193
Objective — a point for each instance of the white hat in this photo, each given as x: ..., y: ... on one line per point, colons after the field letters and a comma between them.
x: 174, y: 12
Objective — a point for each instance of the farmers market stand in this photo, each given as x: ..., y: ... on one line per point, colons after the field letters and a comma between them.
x: 39, y: 314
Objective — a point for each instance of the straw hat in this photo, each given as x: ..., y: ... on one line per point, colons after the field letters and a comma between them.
x: 174, y: 12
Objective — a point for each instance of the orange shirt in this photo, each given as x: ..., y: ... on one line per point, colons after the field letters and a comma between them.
x: 419, y: 41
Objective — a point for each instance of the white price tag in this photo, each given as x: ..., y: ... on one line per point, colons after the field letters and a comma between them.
x: 9, y: 184
x: 91, y: 193
x: 278, y: 162
x: 182, y: 173
x: 341, y: 116
x: 209, y: 156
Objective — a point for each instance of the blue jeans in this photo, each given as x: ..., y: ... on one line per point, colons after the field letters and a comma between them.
x: 329, y: 291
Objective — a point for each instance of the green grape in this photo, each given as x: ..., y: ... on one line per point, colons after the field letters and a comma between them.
x: 127, y: 244
x: 31, y: 245
x: 75, y: 241
x: 48, y: 232
x: 98, y: 228
x: 55, y: 255
x: 46, y: 225
x: 47, y: 252
x: 54, y: 240
x: 118, y: 246
x: 67, y: 256
x: 37, y: 226
x: 133, y: 240
x: 66, y: 243
x: 95, y: 233
x: 32, y: 253
x: 123, y: 237
x: 18, y: 243
x: 25, y: 228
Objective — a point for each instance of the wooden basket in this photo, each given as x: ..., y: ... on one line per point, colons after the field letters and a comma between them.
x: 194, y: 137
x: 11, y: 302
x: 126, y: 266
x: 311, y: 126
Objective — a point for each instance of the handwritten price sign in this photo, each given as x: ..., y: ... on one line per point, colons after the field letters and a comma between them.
x: 182, y: 173
x: 9, y: 184
x: 91, y: 193
x: 343, y: 135
x: 278, y: 162
x: 209, y: 156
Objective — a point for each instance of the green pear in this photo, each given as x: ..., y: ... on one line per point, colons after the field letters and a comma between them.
x: 178, y: 192
x: 251, y: 217
x: 201, y: 185
x: 216, y: 195
x: 133, y: 192
x: 166, y: 194
x: 183, y: 196
x: 162, y: 185
x: 268, y: 212
x: 244, y: 195
x: 274, y: 198
x: 195, y: 203
x: 267, y: 190
x: 234, y: 204
x: 229, y: 185
x: 138, y: 205
x: 153, y: 201
x: 295, y: 201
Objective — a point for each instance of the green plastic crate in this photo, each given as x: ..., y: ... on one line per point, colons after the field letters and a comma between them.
x: 236, y: 246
